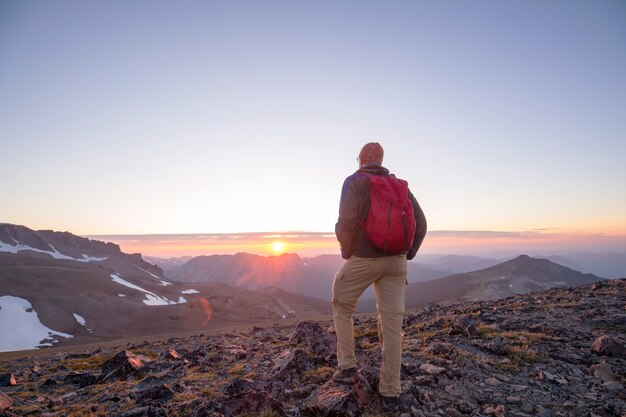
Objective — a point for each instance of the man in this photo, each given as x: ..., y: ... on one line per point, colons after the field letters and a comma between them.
x: 365, y: 265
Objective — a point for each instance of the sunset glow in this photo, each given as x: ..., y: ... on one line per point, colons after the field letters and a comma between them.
x: 313, y: 244
x: 278, y: 247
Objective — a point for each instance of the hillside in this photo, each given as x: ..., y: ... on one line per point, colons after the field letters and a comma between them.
x: 517, y: 276
x: 60, y: 289
x: 559, y: 352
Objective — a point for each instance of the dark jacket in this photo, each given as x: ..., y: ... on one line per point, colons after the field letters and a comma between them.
x: 353, y: 209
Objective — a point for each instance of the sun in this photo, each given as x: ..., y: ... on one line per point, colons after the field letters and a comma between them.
x: 278, y: 247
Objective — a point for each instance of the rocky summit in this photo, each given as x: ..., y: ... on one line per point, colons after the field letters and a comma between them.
x: 555, y: 353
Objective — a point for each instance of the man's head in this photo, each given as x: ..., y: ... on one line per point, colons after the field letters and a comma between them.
x: 371, y: 152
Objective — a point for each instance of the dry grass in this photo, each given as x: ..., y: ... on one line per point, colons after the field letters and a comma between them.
x: 321, y: 374
x: 194, y: 374
x: 525, y: 338
x: 210, y: 393
x: 365, y: 333
x: 486, y: 332
x: 184, y: 397
x: 89, y: 363
x: 367, y: 345
x: 520, y: 355
x: 516, y: 337
x: 239, y: 369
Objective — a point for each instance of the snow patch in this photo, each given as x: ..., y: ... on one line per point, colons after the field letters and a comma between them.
x: 151, y: 298
x: 87, y: 258
x: 155, y: 300
x: 150, y: 273
x: 121, y: 295
x: 18, y: 247
x: 164, y: 283
x: 79, y: 319
x: 21, y: 328
x: 125, y: 283
x: 190, y: 291
x: 285, y: 306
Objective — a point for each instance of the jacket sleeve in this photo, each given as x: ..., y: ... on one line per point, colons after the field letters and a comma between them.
x: 348, y: 221
x: 420, y: 227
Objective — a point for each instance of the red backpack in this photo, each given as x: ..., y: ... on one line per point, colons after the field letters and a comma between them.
x: 390, y: 223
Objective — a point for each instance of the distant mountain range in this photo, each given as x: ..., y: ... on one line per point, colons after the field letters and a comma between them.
x: 76, y: 290
x: 311, y: 276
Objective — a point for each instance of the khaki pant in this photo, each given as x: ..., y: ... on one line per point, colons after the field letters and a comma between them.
x: 388, y: 274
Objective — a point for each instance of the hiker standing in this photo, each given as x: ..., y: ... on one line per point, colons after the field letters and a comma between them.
x: 376, y: 239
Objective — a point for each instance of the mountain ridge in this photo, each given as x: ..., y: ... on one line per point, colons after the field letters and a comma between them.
x: 519, y: 275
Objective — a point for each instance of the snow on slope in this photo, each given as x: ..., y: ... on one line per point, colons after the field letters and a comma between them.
x: 81, y: 320
x: 21, y: 328
x: 164, y: 283
x: 151, y: 298
x: 18, y: 247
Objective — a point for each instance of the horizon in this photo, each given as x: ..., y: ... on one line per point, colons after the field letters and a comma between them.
x: 310, y: 244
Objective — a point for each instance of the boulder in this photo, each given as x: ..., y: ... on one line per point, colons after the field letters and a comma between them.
x: 240, y: 386
x: 171, y: 355
x: 607, y: 346
x: 122, y: 365
x: 250, y: 403
x: 603, y: 372
x: 151, y: 393
x: 293, y: 362
x: 315, y: 338
x: 339, y: 400
x: 83, y: 379
x: 7, y: 380
x: 431, y: 369
x: 155, y: 389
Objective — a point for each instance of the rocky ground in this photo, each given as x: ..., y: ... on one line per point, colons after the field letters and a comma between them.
x: 554, y: 353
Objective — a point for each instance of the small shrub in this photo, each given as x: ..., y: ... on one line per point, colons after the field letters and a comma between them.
x: 210, y: 393
x: 320, y: 374
x: 486, y: 332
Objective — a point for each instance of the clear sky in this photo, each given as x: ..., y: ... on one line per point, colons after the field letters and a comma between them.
x: 147, y: 117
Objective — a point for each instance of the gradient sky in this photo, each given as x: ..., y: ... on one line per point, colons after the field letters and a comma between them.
x: 225, y: 117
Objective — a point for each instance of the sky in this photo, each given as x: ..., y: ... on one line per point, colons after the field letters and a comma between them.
x: 215, y: 117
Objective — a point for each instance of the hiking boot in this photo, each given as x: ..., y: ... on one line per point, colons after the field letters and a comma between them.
x: 391, y: 403
x: 346, y: 376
